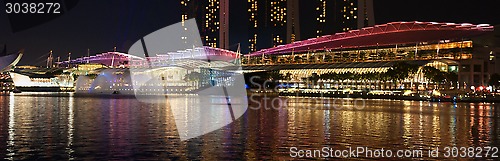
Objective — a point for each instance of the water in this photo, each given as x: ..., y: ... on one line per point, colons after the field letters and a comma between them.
x: 62, y: 127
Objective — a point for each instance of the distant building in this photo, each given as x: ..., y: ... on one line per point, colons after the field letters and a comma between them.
x: 212, y: 18
x: 277, y: 22
x: 337, y: 16
x: 272, y: 23
x: 487, y: 52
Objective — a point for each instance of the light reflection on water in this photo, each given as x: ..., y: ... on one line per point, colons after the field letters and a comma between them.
x: 65, y: 127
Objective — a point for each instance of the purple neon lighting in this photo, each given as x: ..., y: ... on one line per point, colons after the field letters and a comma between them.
x: 386, y: 34
x: 107, y: 57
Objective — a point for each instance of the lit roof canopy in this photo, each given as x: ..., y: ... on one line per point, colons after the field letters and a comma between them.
x: 201, y: 53
x: 380, y: 35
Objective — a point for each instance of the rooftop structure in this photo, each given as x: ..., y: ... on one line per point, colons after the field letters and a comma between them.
x: 116, y: 59
x: 382, y: 35
x: 7, y: 61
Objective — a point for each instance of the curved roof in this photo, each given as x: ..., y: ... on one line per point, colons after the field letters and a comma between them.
x: 386, y: 34
x: 116, y: 58
x: 7, y: 61
x: 205, y: 53
x: 103, y: 58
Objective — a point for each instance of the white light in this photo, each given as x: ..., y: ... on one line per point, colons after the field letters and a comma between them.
x: 489, y: 88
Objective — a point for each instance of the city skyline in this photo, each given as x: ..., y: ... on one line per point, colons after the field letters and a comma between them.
x: 275, y: 22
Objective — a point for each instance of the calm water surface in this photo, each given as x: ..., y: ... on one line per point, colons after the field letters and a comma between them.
x: 62, y: 127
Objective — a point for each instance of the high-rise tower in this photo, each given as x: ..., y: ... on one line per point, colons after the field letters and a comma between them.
x: 326, y: 17
x: 212, y: 17
x: 272, y: 23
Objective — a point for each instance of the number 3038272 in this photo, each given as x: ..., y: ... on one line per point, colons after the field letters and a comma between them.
x: 32, y: 8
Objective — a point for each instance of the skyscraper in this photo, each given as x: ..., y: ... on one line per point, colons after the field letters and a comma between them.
x: 272, y: 23
x: 333, y: 16
x: 212, y: 17
x: 276, y: 22
x: 366, y: 15
x: 293, y: 25
x: 354, y: 14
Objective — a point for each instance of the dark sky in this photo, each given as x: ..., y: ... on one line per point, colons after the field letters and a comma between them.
x: 459, y: 11
x: 101, y: 25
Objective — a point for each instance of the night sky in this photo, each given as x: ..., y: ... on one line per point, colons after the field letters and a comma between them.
x: 101, y: 25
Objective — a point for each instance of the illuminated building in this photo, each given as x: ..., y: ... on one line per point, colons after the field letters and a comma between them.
x: 212, y: 18
x: 254, y: 23
x: 272, y: 23
x: 293, y: 25
x: 355, y: 14
x: 444, y: 46
x: 331, y: 17
x: 277, y: 22
x: 172, y: 68
x: 42, y: 79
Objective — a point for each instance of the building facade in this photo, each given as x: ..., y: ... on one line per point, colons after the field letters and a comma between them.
x: 448, y: 47
x: 212, y: 17
x: 277, y: 22
x: 268, y: 22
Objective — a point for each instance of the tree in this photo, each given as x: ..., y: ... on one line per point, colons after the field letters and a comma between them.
x: 345, y: 56
x: 297, y: 59
x: 362, y: 55
x: 382, y: 55
x: 451, y: 78
x: 433, y: 75
x: 314, y: 78
x: 410, y: 55
x: 328, y: 58
x: 274, y: 75
x: 392, y: 55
